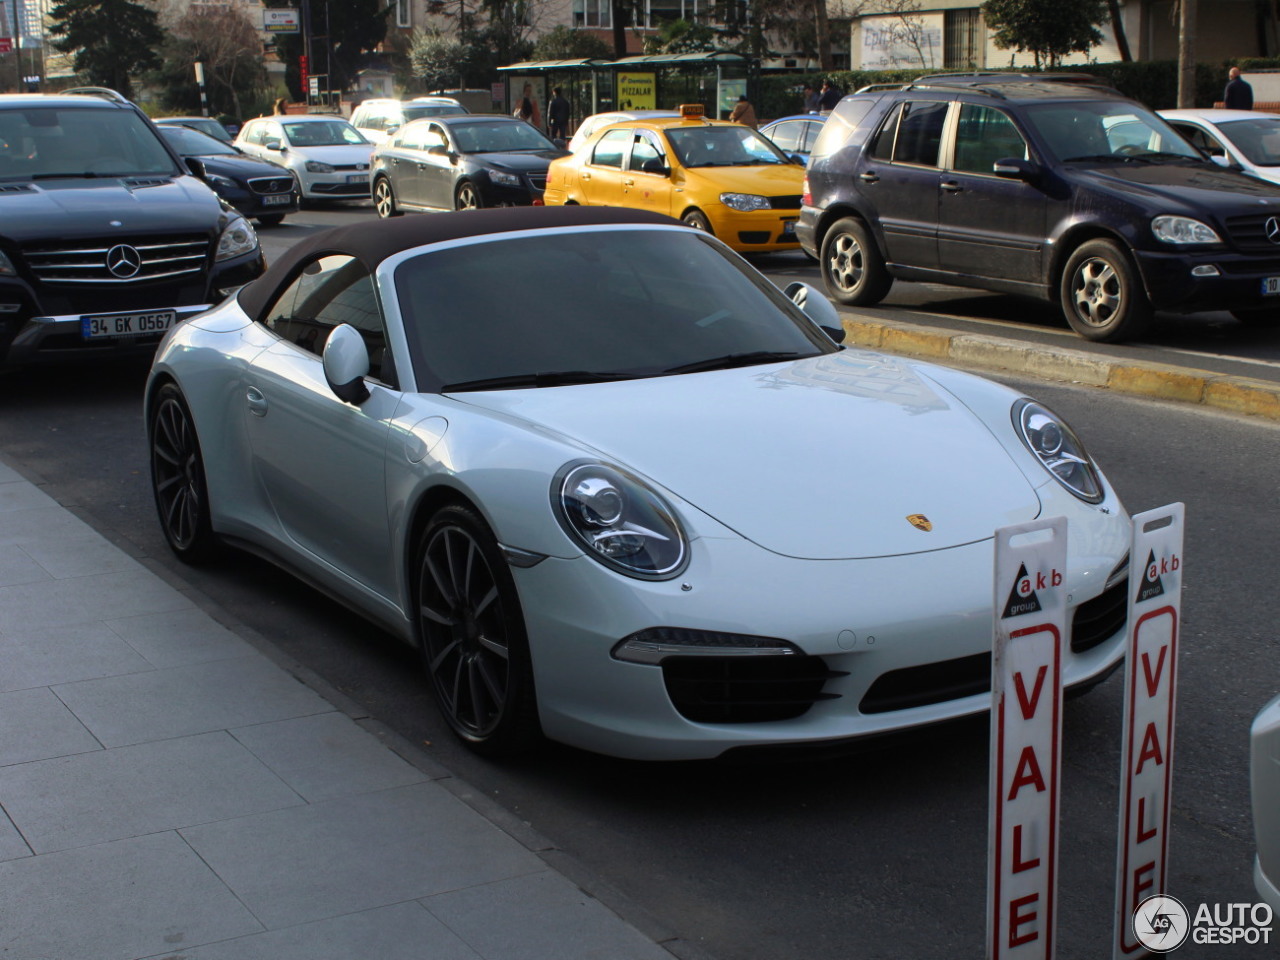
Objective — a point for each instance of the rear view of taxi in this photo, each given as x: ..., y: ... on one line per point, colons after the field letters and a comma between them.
x: 720, y: 177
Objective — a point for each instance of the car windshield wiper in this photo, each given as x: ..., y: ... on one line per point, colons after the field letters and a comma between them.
x: 737, y: 360
x: 1095, y: 157
x: 557, y: 379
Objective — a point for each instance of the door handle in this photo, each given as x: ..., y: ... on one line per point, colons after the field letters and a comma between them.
x: 257, y: 402
x: 870, y: 177
x: 628, y: 183
x: 951, y: 186
x: 584, y: 176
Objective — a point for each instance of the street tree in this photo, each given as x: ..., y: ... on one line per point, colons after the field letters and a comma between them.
x: 566, y: 43
x: 1048, y: 29
x: 343, y: 36
x: 226, y: 41
x: 109, y: 39
x: 681, y: 36
x: 438, y: 59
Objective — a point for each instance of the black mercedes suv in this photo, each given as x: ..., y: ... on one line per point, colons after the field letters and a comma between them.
x: 106, y: 237
x: 1048, y: 185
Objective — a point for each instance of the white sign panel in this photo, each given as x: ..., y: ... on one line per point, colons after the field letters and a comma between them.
x: 1150, y: 687
x: 281, y: 20
x: 1026, y: 738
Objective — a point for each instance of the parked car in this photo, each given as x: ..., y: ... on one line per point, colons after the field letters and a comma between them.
x: 461, y: 163
x: 256, y: 188
x: 1265, y: 783
x: 206, y: 125
x: 378, y: 119
x: 1047, y: 186
x: 724, y: 178
x: 1244, y: 138
x: 569, y: 453
x: 795, y: 135
x: 327, y: 155
x: 107, y: 238
x: 591, y: 124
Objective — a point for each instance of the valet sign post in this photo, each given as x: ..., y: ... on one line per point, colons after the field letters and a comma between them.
x: 1026, y: 738
x: 1150, y: 688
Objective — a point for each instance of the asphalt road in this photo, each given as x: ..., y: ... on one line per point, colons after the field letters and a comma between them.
x: 881, y: 854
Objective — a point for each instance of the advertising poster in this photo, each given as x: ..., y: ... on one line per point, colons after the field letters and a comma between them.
x: 637, y: 91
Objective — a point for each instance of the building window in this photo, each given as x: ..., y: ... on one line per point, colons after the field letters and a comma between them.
x: 404, y: 13
x: 592, y: 14
x: 962, y: 39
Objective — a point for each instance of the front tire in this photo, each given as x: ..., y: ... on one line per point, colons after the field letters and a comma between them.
x: 698, y: 220
x: 1102, y: 295
x: 384, y: 199
x: 853, y: 270
x: 468, y: 198
x: 472, y: 633
x: 178, y: 479
x: 270, y: 219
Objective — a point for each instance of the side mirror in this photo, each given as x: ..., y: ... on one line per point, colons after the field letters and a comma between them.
x: 346, y: 363
x: 393, y: 127
x: 1221, y: 160
x: 654, y: 165
x: 1015, y: 168
x: 560, y: 142
x: 438, y: 149
x: 196, y: 166
x: 817, y: 308
x: 272, y: 144
x: 799, y: 158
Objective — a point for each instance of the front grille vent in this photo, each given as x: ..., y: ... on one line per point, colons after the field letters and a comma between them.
x: 745, y: 689
x: 271, y: 184
x: 133, y: 182
x: 16, y: 188
x: 785, y: 203
x: 539, y: 181
x: 85, y: 261
x: 1249, y: 234
x: 1100, y: 618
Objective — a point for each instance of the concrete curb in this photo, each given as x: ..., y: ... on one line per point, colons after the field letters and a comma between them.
x: 1242, y: 395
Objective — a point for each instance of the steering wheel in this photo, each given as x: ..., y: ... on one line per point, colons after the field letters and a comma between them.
x: 1130, y: 150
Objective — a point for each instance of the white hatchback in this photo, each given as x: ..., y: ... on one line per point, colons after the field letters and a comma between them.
x: 327, y: 154
x: 1244, y: 138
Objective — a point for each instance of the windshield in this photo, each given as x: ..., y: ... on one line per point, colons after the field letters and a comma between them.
x: 497, y: 137
x: 193, y: 143
x: 205, y: 125
x: 1107, y: 130
x: 416, y: 111
x: 1258, y: 138
x: 50, y: 142
x: 323, y: 133
x: 713, y: 146
x: 593, y: 304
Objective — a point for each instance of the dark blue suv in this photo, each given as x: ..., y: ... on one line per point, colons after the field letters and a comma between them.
x: 1045, y: 185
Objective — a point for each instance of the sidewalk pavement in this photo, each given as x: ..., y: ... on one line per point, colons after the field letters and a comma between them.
x: 169, y: 790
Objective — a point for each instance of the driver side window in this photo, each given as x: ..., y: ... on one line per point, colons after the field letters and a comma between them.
x: 330, y: 291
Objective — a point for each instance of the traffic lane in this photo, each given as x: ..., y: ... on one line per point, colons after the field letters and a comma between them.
x: 1205, y: 341
x: 881, y: 853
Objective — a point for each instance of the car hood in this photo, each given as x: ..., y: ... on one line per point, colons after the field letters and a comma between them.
x: 823, y: 458
x: 245, y: 167
x: 780, y: 180
x: 94, y: 207
x: 1203, y: 185
x: 523, y: 161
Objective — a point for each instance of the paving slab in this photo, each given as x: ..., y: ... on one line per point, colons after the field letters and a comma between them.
x: 107, y: 596
x: 39, y: 656
x: 36, y: 725
x: 180, y: 637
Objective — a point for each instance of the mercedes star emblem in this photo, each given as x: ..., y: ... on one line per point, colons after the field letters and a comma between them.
x: 123, y: 261
x: 1273, y: 229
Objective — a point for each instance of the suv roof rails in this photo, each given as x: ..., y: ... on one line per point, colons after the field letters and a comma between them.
x: 103, y: 93
x: 989, y: 82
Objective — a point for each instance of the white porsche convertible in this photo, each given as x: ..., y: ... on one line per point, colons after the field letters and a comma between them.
x: 618, y: 488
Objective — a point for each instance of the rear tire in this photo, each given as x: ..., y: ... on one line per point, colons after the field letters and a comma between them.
x: 853, y: 270
x: 384, y: 199
x: 178, y: 479
x: 1102, y: 295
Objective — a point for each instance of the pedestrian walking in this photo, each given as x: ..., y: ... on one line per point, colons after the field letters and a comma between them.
x: 744, y: 112
x: 558, y: 115
x: 829, y: 97
x: 812, y: 99
x: 1238, y: 95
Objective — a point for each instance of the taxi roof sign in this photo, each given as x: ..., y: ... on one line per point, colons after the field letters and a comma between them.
x: 692, y: 111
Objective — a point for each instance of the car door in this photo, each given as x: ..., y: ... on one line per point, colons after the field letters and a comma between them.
x: 647, y: 190
x: 318, y: 460
x: 252, y: 137
x: 789, y: 135
x: 989, y: 226
x: 403, y: 153
x: 600, y: 177
x: 899, y: 175
x: 437, y: 163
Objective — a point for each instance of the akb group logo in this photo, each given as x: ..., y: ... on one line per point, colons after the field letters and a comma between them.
x: 1162, y: 923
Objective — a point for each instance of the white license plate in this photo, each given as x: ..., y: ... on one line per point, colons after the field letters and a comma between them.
x: 276, y: 199
x: 358, y: 178
x: 102, y: 326
x: 1270, y: 286
x: 789, y: 228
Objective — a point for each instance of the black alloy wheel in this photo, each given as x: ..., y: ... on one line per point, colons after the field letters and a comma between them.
x: 1102, y: 295
x: 472, y: 634
x: 698, y: 220
x: 178, y: 479
x: 384, y: 199
x: 270, y: 219
x: 468, y: 197
x: 852, y: 267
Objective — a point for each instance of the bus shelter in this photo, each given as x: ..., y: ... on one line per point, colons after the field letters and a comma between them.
x: 649, y: 82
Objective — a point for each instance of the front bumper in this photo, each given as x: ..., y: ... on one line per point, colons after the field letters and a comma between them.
x: 1264, y: 768
x: 757, y: 231
x: 1237, y: 285
x: 865, y: 620
x: 342, y: 185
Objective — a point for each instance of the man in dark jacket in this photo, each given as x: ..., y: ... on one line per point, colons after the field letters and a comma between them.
x: 829, y: 98
x: 558, y: 115
x: 1238, y: 95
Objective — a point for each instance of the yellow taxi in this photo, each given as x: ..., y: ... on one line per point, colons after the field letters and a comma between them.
x: 714, y: 175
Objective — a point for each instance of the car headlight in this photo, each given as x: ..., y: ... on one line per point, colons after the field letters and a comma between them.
x: 237, y: 238
x: 1183, y: 230
x: 316, y: 166
x: 1058, y: 449
x: 746, y: 202
x: 219, y: 182
x: 504, y: 179
x: 6, y: 267
x: 619, y: 521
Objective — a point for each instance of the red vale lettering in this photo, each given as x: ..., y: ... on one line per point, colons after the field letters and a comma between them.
x: 1150, y: 749
x: 1153, y: 682
x: 1145, y: 833
x: 1028, y: 707
x: 1028, y: 773
x: 1019, y: 865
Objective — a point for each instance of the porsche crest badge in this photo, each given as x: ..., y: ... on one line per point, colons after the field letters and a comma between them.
x: 920, y: 522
